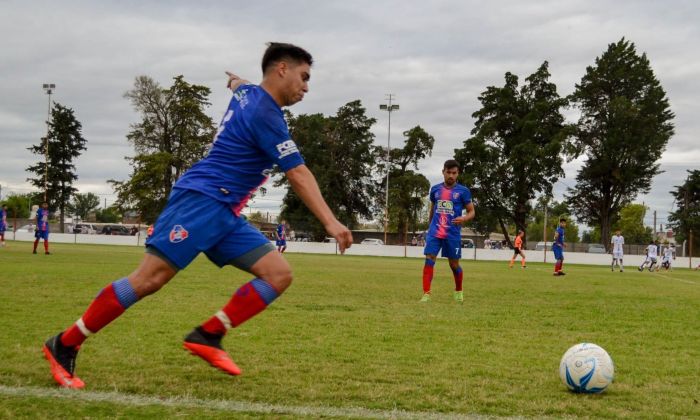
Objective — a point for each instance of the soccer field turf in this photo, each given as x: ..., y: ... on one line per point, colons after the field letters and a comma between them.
x: 350, y: 339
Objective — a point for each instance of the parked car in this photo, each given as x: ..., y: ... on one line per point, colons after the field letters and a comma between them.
x: 372, y: 241
x: 115, y: 230
x: 26, y: 228
x: 467, y: 243
x: 596, y: 249
x: 86, y: 228
x: 328, y: 239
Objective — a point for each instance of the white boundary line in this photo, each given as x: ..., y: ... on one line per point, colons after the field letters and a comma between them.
x: 225, y: 405
x: 673, y: 278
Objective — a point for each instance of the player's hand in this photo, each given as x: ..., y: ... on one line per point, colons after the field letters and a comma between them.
x: 459, y: 220
x: 341, y: 234
x: 234, y: 81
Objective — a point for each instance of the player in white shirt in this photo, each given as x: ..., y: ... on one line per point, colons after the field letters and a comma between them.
x: 652, y: 252
x: 669, y: 255
x: 617, y: 242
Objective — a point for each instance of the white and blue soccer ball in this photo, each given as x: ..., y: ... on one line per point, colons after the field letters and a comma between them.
x: 586, y: 368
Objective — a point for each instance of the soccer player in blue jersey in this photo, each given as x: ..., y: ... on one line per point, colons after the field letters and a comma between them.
x: 42, y: 228
x: 447, y: 202
x: 281, y: 234
x: 3, y: 224
x: 252, y: 137
x: 558, y: 247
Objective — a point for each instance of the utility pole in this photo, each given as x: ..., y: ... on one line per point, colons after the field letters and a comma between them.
x: 690, y: 230
x: 655, y: 224
x: 544, y: 233
x: 48, y: 88
x: 389, y: 108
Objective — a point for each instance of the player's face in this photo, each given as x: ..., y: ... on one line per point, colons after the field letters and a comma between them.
x: 296, y: 78
x: 450, y: 175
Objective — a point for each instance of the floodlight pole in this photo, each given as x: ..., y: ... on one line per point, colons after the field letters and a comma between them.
x: 389, y: 108
x: 48, y: 88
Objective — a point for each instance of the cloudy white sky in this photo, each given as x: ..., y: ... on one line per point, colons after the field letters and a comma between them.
x: 436, y: 57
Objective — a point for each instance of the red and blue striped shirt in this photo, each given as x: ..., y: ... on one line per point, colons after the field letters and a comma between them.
x: 448, y: 203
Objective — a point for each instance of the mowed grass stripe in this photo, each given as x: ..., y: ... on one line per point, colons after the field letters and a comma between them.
x: 224, y: 405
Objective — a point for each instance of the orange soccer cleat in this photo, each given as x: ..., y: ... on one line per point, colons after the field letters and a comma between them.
x: 201, y: 344
x: 62, y: 362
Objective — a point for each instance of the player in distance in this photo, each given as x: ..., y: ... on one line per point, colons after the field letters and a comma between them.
x: 617, y: 242
x: 518, y: 250
x: 558, y: 247
x: 652, y: 254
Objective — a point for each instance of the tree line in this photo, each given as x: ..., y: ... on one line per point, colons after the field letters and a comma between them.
x: 511, y: 160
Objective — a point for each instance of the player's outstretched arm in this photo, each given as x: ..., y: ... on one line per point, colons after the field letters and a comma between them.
x: 235, y: 81
x: 304, y: 184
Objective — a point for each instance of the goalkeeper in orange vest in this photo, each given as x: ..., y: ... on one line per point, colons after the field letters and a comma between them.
x: 518, y: 250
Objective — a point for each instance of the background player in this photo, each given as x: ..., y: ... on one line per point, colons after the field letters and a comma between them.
x: 252, y: 137
x: 558, y: 247
x: 42, y: 227
x: 447, y: 201
x: 3, y: 224
x: 652, y: 252
x: 281, y: 233
x: 618, y: 242
x: 518, y: 250
x: 669, y: 256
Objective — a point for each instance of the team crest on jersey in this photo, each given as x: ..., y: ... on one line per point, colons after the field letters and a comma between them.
x: 178, y: 234
x: 455, y: 196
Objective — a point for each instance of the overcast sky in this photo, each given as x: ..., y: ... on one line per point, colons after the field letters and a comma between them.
x: 436, y: 57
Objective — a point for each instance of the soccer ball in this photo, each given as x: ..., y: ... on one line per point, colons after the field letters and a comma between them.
x: 586, y: 368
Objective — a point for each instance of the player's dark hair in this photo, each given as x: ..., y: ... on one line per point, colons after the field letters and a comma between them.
x: 279, y: 51
x: 562, y: 220
x: 449, y: 164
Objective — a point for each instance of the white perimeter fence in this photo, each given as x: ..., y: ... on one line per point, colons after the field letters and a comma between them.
x: 373, y: 250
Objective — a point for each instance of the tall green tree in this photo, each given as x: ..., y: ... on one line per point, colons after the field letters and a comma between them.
x: 407, y: 186
x: 173, y: 134
x: 18, y: 205
x: 338, y: 150
x: 65, y: 143
x: 515, y: 150
x: 624, y: 127
x: 686, y: 217
x: 83, y: 204
x: 631, y: 223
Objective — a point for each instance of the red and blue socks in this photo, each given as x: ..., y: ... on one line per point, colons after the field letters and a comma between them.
x: 459, y: 276
x: 558, y: 265
x: 249, y: 300
x: 428, y: 270
x: 111, y: 302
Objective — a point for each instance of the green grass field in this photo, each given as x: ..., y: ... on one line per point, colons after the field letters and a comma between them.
x: 350, y: 339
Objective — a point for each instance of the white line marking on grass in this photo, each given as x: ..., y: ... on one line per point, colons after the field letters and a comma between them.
x: 226, y: 405
x: 673, y: 278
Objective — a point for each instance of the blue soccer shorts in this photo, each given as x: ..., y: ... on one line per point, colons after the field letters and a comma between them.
x: 451, y: 248
x: 192, y: 223
x: 41, y: 234
x: 558, y: 252
x: 281, y: 242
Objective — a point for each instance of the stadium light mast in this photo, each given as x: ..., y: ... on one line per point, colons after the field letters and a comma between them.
x: 390, y: 107
x: 48, y: 88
